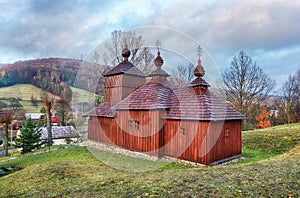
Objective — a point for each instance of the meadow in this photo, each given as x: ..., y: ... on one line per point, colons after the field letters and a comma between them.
x: 270, y: 168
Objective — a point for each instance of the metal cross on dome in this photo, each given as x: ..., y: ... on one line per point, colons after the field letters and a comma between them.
x: 199, y: 51
x: 158, y: 45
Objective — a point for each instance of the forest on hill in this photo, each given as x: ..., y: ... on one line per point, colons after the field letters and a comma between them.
x: 55, y: 75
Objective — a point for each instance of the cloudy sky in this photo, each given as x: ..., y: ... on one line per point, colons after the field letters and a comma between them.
x: 267, y: 30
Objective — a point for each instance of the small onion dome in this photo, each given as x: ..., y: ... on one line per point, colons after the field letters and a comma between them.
x: 158, y: 61
x: 125, y: 53
x: 199, y: 70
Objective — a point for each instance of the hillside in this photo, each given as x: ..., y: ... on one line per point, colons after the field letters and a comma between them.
x: 24, y: 71
x: 52, y: 74
x: 25, y: 91
x: 271, y: 169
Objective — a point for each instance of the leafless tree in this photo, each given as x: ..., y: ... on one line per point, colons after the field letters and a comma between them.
x: 245, y: 82
x: 48, y: 103
x: 183, y: 74
x: 290, y: 97
x: 288, y: 104
x: 145, y: 60
x: 5, y: 120
x: 63, y: 111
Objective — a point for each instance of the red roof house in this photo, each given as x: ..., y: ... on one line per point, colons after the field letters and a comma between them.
x: 189, y: 122
x: 55, y: 120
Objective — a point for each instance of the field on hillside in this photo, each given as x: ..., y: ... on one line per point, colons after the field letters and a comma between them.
x: 25, y: 91
x: 271, y: 169
x: 81, y: 95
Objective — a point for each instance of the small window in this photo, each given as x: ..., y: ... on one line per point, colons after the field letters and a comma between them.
x: 137, y: 125
x: 182, y: 131
x: 133, y: 124
x: 130, y: 124
x: 227, y: 132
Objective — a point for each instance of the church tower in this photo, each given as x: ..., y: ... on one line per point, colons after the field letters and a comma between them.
x: 122, y: 80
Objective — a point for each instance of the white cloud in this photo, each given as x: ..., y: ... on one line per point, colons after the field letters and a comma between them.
x: 267, y: 30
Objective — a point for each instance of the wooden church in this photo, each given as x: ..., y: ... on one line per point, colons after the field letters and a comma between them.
x: 188, y: 122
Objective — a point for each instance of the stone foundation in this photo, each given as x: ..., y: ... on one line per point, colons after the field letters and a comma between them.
x: 135, y: 154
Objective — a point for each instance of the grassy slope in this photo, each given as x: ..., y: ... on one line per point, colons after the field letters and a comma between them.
x: 81, y: 95
x: 77, y: 173
x: 24, y: 91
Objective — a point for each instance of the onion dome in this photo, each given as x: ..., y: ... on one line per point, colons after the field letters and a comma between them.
x: 126, y: 53
x: 199, y: 70
x: 158, y: 60
x: 158, y: 63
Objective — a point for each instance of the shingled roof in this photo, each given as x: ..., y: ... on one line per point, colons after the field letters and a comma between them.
x: 201, y: 104
x: 59, y: 132
x: 103, y: 110
x: 154, y: 94
x: 199, y: 82
x: 125, y: 67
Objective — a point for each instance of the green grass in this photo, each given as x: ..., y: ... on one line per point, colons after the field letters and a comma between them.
x: 81, y: 95
x: 24, y: 92
x: 261, y: 144
x: 76, y: 172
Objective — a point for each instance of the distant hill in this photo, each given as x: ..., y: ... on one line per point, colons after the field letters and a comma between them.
x: 53, y: 74
x: 63, y: 68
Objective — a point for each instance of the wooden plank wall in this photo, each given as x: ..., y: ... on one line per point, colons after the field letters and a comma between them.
x: 198, y: 142
x: 199, y: 145
x: 146, y: 138
x: 132, y: 81
x: 116, y: 132
x: 222, y: 146
x: 118, y: 87
x: 183, y: 139
x: 101, y: 129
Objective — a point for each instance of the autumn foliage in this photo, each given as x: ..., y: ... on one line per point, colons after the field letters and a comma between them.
x: 263, y: 119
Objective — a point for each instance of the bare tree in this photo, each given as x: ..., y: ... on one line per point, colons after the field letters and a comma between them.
x: 288, y: 105
x: 141, y: 56
x: 245, y: 82
x: 145, y: 60
x: 64, y: 111
x: 48, y: 103
x: 183, y: 74
x: 290, y: 98
x: 5, y: 119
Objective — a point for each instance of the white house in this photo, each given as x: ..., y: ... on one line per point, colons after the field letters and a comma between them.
x: 61, y: 134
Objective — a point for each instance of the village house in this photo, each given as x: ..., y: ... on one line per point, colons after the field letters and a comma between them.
x: 61, y: 134
x: 188, y: 122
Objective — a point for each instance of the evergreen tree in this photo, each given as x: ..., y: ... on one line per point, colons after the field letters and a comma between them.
x: 30, y: 137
